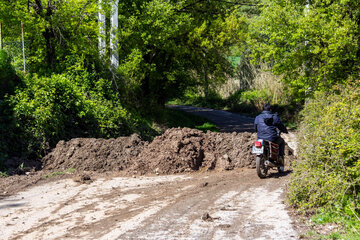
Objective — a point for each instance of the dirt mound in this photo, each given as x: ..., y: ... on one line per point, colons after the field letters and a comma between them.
x: 183, y: 150
x: 92, y: 154
x: 229, y: 150
x: 177, y: 150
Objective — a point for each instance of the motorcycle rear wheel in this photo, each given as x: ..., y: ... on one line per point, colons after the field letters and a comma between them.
x: 261, y: 169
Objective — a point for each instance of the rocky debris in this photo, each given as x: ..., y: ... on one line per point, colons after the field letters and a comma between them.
x: 206, y: 217
x: 83, y: 178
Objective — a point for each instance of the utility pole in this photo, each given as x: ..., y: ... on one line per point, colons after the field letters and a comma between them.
x: 114, y: 22
x: 102, y: 32
x: 206, y: 76
x: 23, y: 44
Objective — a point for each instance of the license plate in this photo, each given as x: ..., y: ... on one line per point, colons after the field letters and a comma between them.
x: 256, y: 150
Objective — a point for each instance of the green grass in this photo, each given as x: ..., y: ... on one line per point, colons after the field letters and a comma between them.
x: 291, y: 125
x: 346, y: 227
x: 50, y: 175
x: 3, y: 175
x: 208, y: 127
x: 213, y: 101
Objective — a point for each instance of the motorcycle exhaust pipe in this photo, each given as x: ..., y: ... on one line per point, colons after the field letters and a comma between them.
x: 269, y: 164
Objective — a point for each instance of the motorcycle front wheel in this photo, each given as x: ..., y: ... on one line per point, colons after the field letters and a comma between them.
x: 261, y: 169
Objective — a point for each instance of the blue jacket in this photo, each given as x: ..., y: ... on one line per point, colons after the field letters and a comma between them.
x: 266, y: 124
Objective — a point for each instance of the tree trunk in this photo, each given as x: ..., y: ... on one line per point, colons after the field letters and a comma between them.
x: 50, y: 50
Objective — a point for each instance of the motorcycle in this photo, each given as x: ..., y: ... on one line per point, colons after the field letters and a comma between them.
x: 267, y: 157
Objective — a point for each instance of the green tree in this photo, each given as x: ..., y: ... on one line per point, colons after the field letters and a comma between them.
x: 314, y: 44
x: 58, y: 31
x: 166, y: 46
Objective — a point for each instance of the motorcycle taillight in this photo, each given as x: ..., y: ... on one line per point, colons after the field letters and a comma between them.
x: 258, y: 144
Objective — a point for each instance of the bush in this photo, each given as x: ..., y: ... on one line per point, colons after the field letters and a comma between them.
x: 8, y: 77
x: 327, y: 176
x: 250, y: 101
x: 60, y: 107
x: 194, y: 98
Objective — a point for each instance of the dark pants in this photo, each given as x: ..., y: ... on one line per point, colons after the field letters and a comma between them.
x: 281, y: 143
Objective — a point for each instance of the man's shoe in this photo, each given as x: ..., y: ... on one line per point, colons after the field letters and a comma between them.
x: 281, y: 160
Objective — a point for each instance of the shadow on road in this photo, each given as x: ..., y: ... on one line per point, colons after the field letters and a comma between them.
x: 278, y: 175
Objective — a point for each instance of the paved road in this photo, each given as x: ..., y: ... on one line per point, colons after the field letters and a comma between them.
x: 226, y: 121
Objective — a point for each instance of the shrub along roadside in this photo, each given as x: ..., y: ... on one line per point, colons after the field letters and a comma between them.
x: 327, y: 175
x: 48, y: 109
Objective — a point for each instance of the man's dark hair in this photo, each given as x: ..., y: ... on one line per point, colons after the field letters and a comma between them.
x: 267, y: 107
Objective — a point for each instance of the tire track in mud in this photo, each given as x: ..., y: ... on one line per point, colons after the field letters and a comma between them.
x: 65, y: 207
x: 234, y: 208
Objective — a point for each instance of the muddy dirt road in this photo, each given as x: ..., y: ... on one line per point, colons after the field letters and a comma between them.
x: 222, y: 205
x: 215, y: 204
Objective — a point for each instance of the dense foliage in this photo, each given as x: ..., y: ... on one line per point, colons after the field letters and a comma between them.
x: 57, y: 31
x: 63, y: 106
x: 327, y: 175
x: 163, y: 46
x: 313, y: 44
x: 167, y: 46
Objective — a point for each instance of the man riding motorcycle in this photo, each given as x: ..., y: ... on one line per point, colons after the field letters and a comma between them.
x: 266, y: 125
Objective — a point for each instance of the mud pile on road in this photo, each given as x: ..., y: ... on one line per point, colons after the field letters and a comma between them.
x: 177, y: 150
x: 229, y: 150
x: 185, y: 150
x: 94, y: 154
